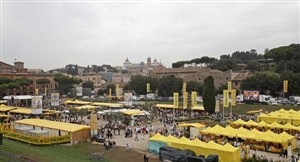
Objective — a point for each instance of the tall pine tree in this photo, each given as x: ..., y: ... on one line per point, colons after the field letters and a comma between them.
x: 209, y: 93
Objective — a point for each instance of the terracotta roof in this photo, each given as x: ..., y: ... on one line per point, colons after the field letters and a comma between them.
x: 242, y: 76
x: 185, y: 70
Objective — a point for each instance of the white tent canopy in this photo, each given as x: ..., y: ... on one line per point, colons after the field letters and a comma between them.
x: 20, y: 97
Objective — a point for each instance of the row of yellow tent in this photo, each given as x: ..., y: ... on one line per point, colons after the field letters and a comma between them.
x: 169, y: 106
x: 268, y: 136
x: 225, y: 152
x: 287, y: 126
x: 281, y: 116
x: 78, y: 102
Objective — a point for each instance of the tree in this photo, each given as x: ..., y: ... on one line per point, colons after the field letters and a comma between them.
x: 112, y: 87
x: 43, y: 81
x: 169, y: 84
x: 265, y: 83
x: 282, y: 55
x: 253, y: 66
x: 179, y: 64
x: 88, y: 84
x: 23, y: 82
x: 65, y: 83
x: 209, y: 100
x: 82, y: 113
x: 194, y: 86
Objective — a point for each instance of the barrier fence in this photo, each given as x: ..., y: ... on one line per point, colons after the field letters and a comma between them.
x: 41, y: 140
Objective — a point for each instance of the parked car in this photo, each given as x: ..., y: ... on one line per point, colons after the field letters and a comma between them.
x: 273, y: 101
x: 298, y: 103
x: 286, y: 102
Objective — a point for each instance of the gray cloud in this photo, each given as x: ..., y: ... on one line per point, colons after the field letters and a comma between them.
x: 50, y: 35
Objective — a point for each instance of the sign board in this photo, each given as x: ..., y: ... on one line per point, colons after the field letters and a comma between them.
x: 37, y: 102
x: 128, y: 99
x: 36, y: 111
x: 78, y: 91
x: 251, y: 95
x: 54, y: 99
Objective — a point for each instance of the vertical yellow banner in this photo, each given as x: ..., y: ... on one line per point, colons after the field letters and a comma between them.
x: 285, y: 86
x: 175, y: 99
x: 117, y: 90
x: 229, y: 86
x: 225, y: 98
x: 148, y: 87
x: 217, y: 108
x: 36, y: 91
x: 233, y: 97
x: 45, y: 91
x: 109, y: 93
x: 183, y: 88
x: 94, y: 122
x: 185, y: 100
x: 194, y: 98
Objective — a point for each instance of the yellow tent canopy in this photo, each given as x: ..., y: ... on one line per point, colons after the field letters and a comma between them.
x: 108, y: 104
x: 76, y: 102
x: 4, y: 116
x: 196, y: 125
x: 89, y: 107
x: 6, y: 108
x: 290, y: 126
x: 254, y: 111
x: 21, y: 111
x: 168, y: 106
x: 275, y: 125
x: 158, y: 137
x: 239, y: 122
x: 68, y: 127
x: 198, y: 108
x: 133, y: 112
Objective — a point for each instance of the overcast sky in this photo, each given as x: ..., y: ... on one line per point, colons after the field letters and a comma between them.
x: 52, y: 35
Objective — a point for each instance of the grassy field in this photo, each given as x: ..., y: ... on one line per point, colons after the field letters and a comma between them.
x: 66, y: 152
x: 244, y: 108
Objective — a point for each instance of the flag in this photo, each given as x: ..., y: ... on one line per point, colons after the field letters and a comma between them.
x: 45, y: 91
x: 185, y: 99
x: 175, y: 99
x: 225, y: 98
x: 229, y: 86
x: 36, y: 91
x: 194, y: 98
x: 183, y: 88
x: 109, y: 93
x: 285, y: 86
x: 117, y: 90
x: 148, y: 87
x: 233, y: 97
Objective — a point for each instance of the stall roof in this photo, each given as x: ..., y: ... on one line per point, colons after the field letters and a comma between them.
x: 196, y: 125
x: 254, y: 111
x: 107, y: 104
x: 76, y: 102
x: 168, y: 106
x: 68, y: 127
x: 21, y: 97
x: 89, y: 107
x: 6, y: 108
x: 198, y: 108
x: 21, y: 111
x: 4, y: 116
x: 133, y: 112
